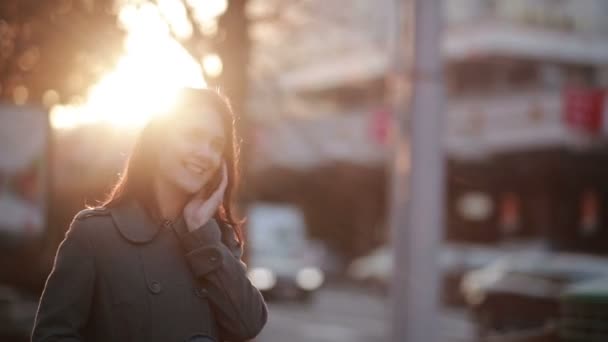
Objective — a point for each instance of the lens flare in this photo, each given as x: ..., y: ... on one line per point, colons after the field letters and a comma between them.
x: 212, y: 64
x: 206, y: 10
x: 147, y: 78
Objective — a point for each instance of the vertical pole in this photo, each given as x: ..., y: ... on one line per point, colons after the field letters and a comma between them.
x: 418, y: 198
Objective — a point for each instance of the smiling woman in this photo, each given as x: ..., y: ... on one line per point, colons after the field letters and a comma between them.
x: 160, y: 260
x: 187, y: 148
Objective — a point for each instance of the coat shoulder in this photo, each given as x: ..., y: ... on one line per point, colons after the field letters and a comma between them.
x: 92, y: 212
x: 92, y: 219
x: 91, y: 223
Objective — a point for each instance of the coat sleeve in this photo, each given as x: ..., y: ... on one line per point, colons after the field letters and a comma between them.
x: 64, y: 306
x: 214, y: 256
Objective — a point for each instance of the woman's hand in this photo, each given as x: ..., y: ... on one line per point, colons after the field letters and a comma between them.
x: 200, y: 209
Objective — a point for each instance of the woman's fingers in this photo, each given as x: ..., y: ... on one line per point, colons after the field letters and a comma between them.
x: 218, y: 195
x: 224, y: 181
x: 199, y: 210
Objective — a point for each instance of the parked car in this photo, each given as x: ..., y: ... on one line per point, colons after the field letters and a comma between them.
x: 283, y: 262
x: 584, y: 312
x: 455, y: 260
x: 24, y: 135
x: 521, y: 293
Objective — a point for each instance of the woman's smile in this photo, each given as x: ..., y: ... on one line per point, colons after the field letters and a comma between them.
x: 196, y: 166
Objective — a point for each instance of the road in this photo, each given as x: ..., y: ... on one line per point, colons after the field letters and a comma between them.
x: 347, y: 314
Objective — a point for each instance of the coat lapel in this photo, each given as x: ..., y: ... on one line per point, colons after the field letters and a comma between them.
x: 133, y: 223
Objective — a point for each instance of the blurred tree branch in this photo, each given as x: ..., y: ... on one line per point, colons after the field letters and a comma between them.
x: 61, y: 45
x: 66, y: 45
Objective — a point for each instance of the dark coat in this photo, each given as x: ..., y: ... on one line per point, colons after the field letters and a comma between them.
x: 120, y: 276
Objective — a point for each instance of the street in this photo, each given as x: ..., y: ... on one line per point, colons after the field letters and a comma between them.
x: 347, y: 314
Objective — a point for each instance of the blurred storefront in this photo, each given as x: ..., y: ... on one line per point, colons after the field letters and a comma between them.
x: 526, y: 84
x: 527, y: 89
x: 322, y: 125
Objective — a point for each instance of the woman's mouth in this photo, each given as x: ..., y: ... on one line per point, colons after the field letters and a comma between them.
x: 195, y: 166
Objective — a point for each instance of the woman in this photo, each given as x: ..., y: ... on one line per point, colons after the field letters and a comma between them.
x: 160, y: 260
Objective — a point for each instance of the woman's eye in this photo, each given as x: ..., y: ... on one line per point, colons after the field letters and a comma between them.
x: 217, y: 145
x: 196, y: 136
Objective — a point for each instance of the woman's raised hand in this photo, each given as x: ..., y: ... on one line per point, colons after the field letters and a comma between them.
x: 200, y: 210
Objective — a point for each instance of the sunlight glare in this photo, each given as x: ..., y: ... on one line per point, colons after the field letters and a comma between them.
x: 207, y: 10
x: 212, y: 64
x: 64, y: 117
x: 175, y: 13
x: 208, y: 27
x: 146, y: 78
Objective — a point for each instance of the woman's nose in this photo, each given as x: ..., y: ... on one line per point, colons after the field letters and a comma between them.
x: 206, y: 153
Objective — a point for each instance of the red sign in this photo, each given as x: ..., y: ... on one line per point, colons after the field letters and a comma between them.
x: 381, y: 125
x: 583, y: 109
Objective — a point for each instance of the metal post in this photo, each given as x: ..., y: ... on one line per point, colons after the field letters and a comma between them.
x: 417, y: 199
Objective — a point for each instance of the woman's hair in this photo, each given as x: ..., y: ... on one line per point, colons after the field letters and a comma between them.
x: 136, y: 179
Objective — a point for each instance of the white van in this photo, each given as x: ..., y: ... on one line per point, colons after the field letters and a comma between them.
x: 283, y: 262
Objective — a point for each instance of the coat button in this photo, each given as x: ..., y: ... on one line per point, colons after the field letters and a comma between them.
x: 201, y: 292
x: 200, y: 338
x: 155, y: 287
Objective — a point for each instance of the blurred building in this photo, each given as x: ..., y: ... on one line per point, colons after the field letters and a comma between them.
x: 526, y: 84
x: 317, y: 73
x: 510, y: 66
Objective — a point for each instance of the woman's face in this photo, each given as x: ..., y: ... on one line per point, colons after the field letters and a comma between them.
x: 192, y: 151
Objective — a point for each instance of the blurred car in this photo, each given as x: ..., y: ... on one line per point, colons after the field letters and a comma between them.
x: 24, y: 140
x: 374, y: 269
x: 455, y: 260
x: 17, y: 313
x: 519, y: 294
x: 283, y: 262
x: 584, y: 312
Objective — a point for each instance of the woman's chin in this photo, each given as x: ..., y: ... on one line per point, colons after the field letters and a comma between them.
x: 194, y: 189
x: 190, y: 183
x: 191, y: 187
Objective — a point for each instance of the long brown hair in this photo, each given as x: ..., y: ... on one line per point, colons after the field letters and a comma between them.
x: 135, y: 181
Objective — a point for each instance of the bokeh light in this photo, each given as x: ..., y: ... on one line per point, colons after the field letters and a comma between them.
x: 154, y: 67
x: 50, y: 98
x: 64, y: 117
x: 176, y: 15
x: 20, y: 95
x: 207, y: 10
x: 212, y: 64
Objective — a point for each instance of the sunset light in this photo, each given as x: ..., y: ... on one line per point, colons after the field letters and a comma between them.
x: 146, y: 79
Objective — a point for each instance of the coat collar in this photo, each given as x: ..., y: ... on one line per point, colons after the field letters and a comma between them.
x: 133, y: 223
